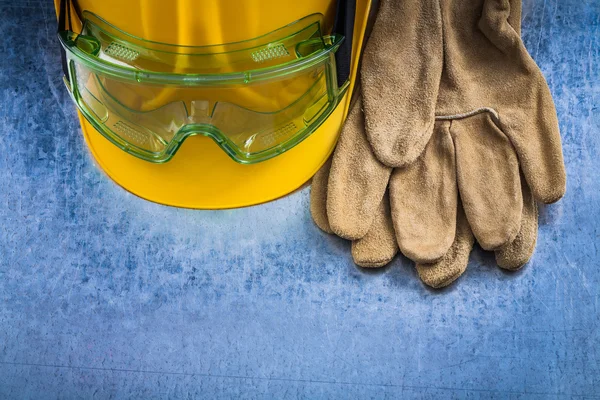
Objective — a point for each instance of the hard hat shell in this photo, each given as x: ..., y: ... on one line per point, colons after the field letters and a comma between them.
x: 201, y: 175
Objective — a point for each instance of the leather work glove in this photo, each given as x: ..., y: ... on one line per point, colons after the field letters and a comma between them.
x: 484, y: 133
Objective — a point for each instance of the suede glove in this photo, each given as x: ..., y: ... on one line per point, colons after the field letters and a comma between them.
x: 472, y: 151
x: 507, y: 117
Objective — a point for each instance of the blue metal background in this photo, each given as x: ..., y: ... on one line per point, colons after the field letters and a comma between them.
x: 103, y: 294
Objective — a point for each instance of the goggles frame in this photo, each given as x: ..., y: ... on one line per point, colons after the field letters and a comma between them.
x: 84, y: 51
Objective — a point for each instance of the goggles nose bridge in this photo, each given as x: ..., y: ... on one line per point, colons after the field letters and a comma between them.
x: 220, y: 138
x: 199, y: 129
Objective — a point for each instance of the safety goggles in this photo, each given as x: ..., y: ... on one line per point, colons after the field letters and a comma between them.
x: 255, y: 99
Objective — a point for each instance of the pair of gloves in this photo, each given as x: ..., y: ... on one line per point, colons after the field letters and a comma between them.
x: 453, y: 138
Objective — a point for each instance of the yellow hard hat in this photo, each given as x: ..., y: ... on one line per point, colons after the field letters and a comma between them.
x: 213, y: 180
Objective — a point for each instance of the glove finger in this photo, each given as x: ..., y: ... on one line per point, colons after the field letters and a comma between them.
x: 357, y: 180
x: 537, y: 142
x: 454, y: 263
x: 526, y: 110
x: 400, y: 75
x: 318, y: 197
x: 378, y: 247
x: 488, y: 180
x: 517, y: 253
x: 424, y: 200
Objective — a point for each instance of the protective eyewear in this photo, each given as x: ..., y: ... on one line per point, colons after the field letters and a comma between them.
x: 255, y: 99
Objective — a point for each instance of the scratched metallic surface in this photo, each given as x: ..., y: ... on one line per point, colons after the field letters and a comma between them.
x: 105, y: 295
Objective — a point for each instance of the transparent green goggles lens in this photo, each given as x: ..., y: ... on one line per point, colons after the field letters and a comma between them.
x: 255, y: 99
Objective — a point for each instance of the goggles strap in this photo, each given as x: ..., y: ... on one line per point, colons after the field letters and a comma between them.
x: 61, y: 27
x: 65, y: 23
x: 345, y: 14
